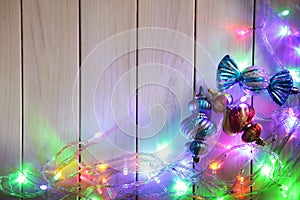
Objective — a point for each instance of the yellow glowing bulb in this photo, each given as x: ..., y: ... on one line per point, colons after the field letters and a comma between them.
x: 57, y: 175
x: 102, y: 167
x: 242, y: 180
x: 214, y: 165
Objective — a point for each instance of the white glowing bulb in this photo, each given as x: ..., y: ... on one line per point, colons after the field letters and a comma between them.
x: 284, y: 31
x: 43, y: 187
x: 156, y: 179
x: 98, y: 134
x: 243, y: 99
x: 125, y: 168
x: 297, y: 49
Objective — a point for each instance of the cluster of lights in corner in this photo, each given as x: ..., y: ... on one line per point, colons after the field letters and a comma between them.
x: 283, y: 30
x: 23, y: 184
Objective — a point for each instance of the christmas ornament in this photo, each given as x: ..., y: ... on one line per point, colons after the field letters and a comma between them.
x: 237, y: 117
x: 281, y: 86
x: 198, y: 126
x: 220, y: 101
x: 199, y: 103
x: 254, y: 79
x: 197, y: 147
x: 252, y: 133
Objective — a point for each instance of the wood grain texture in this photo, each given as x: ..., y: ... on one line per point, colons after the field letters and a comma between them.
x: 165, y: 77
x: 50, y: 67
x: 108, y: 75
x: 10, y: 85
x: 108, y: 79
x: 217, y: 24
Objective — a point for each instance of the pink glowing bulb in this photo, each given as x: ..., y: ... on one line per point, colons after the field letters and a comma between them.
x: 242, y: 32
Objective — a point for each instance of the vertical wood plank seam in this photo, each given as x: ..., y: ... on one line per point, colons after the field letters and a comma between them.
x: 136, y: 90
x: 79, y: 54
x: 252, y: 63
x: 195, y: 45
x: 21, y: 151
x: 21, y: 89
x: 79, y: 73
x: 194, y: 67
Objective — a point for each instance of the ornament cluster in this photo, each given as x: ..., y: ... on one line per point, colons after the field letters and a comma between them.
x: 238, y: 118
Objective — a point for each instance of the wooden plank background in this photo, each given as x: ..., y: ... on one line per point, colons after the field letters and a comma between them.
x: 72, y: 68
x: 11, y: 88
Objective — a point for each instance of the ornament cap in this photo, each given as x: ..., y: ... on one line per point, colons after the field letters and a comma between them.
x: 213, y: 93
x: 260, y: 142
x: 294, y: 90
x: 200, y: 95
x: 196, y: 159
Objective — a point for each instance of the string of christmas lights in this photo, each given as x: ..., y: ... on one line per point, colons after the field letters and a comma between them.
x: 62, y: 171
x: 67, y: 175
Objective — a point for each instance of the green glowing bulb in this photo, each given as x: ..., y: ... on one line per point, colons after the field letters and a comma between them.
x: 180, y: 187
x: 285, y: 12
x: 284, y: 188
x: 266, y: 171
x: 284, y: 195
x: 162, y: 145
x: 21, y: 179
x: 94, y: 197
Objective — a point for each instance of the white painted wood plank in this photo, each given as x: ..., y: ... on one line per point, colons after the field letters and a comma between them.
x: 165, y: 78
x: 50, y: 67
x: 10, y: 86
x: 108, y: 79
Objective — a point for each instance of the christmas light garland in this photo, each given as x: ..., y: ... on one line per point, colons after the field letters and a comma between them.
x: 66, y: 175
x: 63, y: 170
